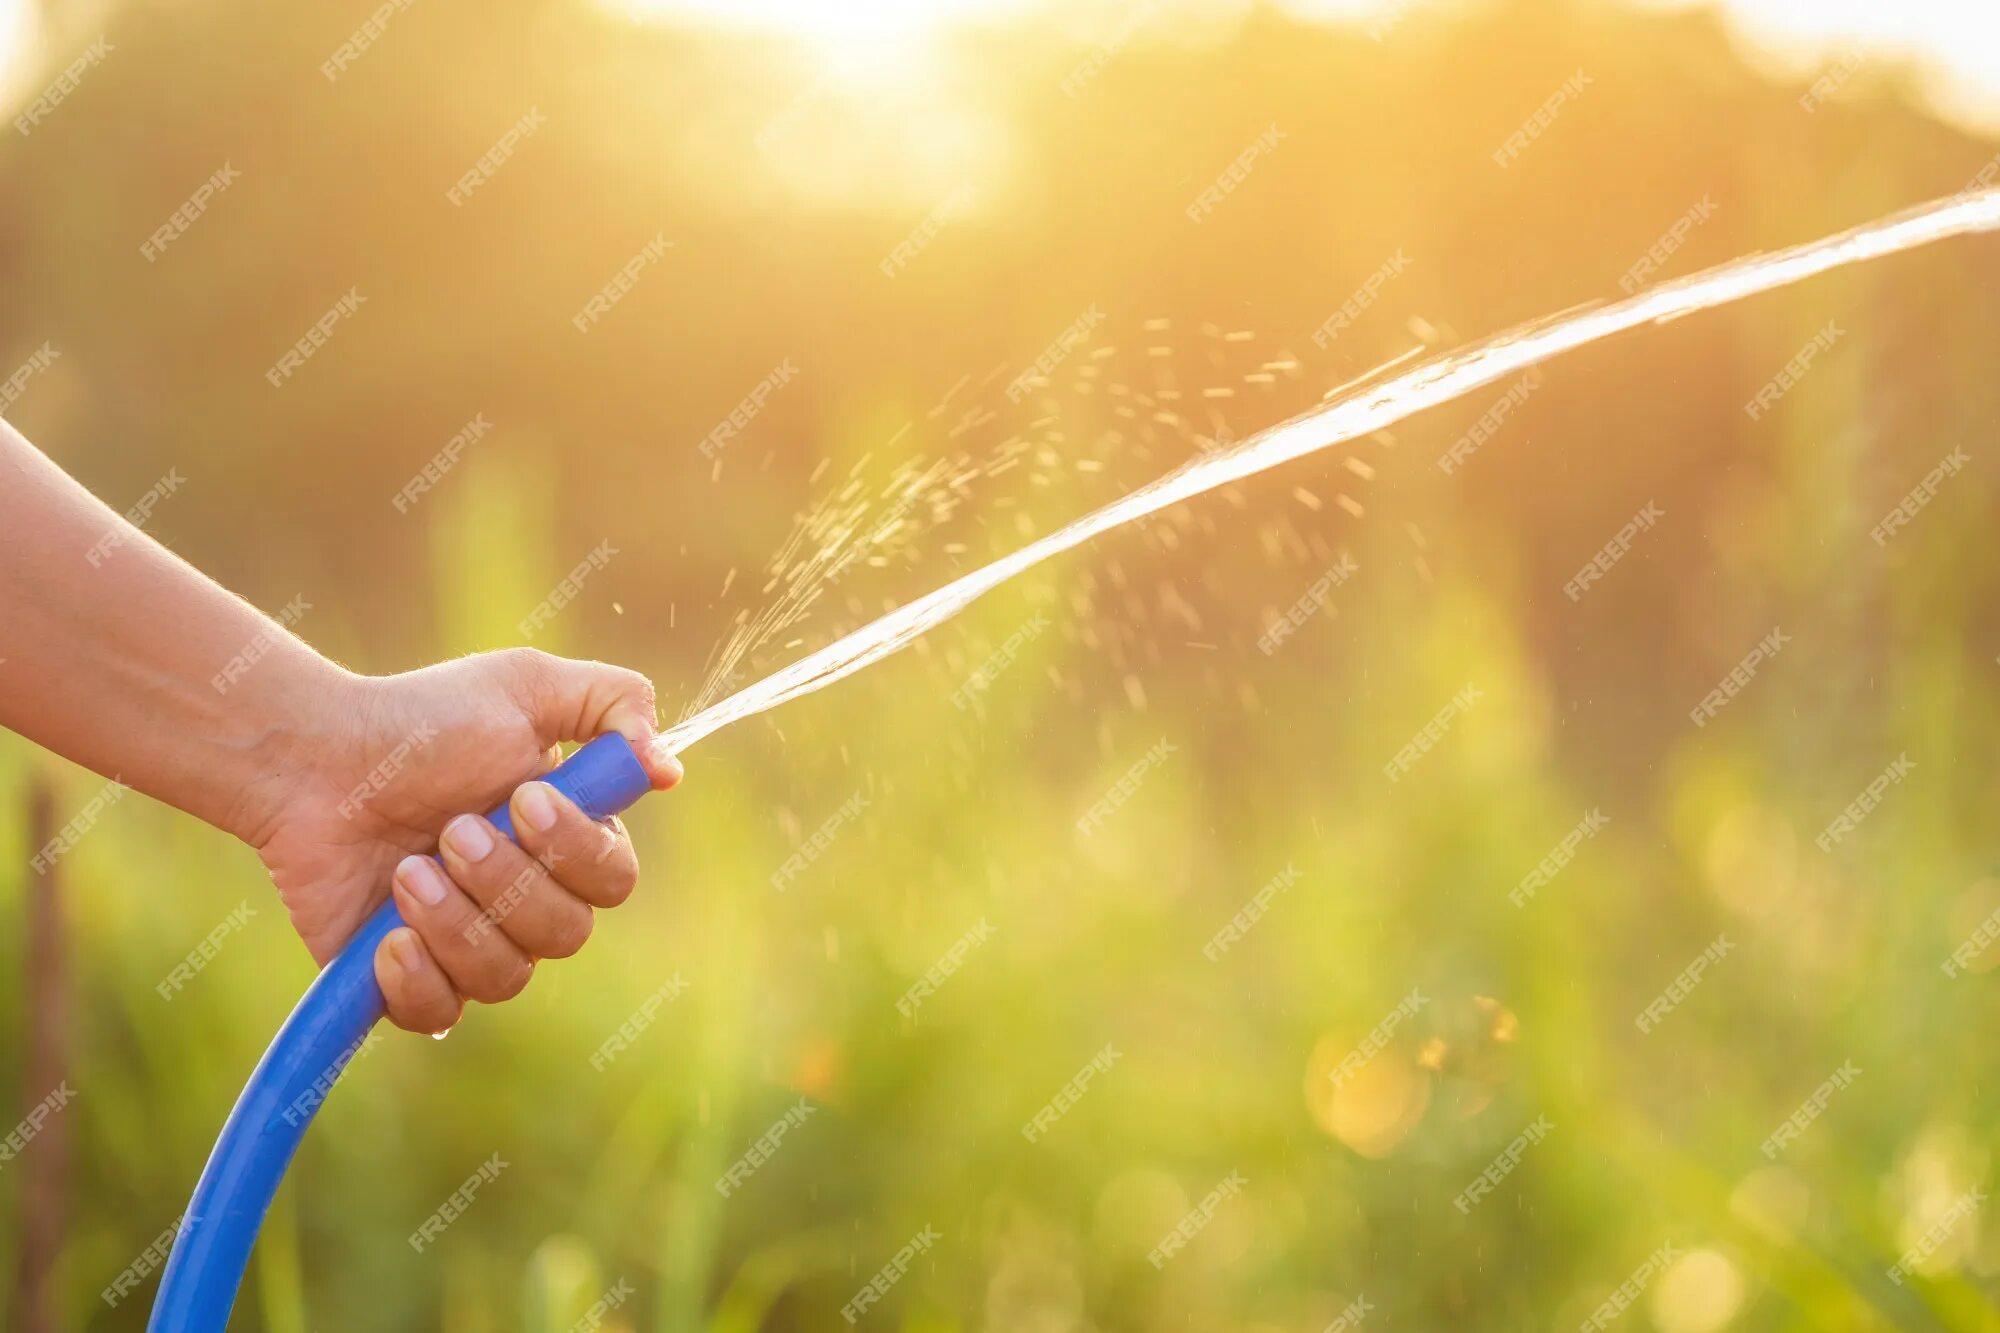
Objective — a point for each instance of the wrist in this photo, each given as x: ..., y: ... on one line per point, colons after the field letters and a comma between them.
x: 294, y: 738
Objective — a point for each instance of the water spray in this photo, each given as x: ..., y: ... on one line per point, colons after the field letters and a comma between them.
x: 343, y: 1004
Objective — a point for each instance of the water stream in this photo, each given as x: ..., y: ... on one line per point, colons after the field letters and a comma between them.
x: 1357, y: 411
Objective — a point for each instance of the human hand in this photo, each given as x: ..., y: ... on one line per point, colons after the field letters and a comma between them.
x: 395, y: 761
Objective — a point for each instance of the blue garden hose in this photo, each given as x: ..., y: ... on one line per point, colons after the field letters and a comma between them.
x: 199, y: 1286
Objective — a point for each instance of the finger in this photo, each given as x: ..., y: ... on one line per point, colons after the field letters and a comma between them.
x: 483, y: 964
x: 420, y: 996
x: 663, y: 767
x: 514, y: 893
x: 593, y: 861
x: 579, y: 701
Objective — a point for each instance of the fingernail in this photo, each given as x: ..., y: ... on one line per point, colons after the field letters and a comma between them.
x: 420, y: 875
x: 671, y: 768
x: 538, y: 806
x: 468, y: 836
x: 403, y: 948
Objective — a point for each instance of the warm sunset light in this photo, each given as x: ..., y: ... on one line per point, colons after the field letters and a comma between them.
x: 1951, y: 46
x: 1077, y: 666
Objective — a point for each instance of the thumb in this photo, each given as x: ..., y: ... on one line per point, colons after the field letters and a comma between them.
x: 567, y: 700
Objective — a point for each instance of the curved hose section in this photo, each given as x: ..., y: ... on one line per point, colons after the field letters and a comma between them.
x: 323, y: 1034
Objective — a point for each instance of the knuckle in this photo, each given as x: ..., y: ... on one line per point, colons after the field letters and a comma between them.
x: 531, y: 672
x: 528, y: 661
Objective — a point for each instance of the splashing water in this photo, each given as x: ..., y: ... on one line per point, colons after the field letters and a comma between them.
x: 1377, y: 402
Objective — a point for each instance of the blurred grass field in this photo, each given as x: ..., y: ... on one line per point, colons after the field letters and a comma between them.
x: 783, y: 190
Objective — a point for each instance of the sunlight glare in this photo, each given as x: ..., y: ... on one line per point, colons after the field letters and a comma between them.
x: 17, y: 41
x: 878, y: 27
x: 1954, y: 45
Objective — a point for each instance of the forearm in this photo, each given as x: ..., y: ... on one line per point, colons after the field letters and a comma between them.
x: 118, y: 655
